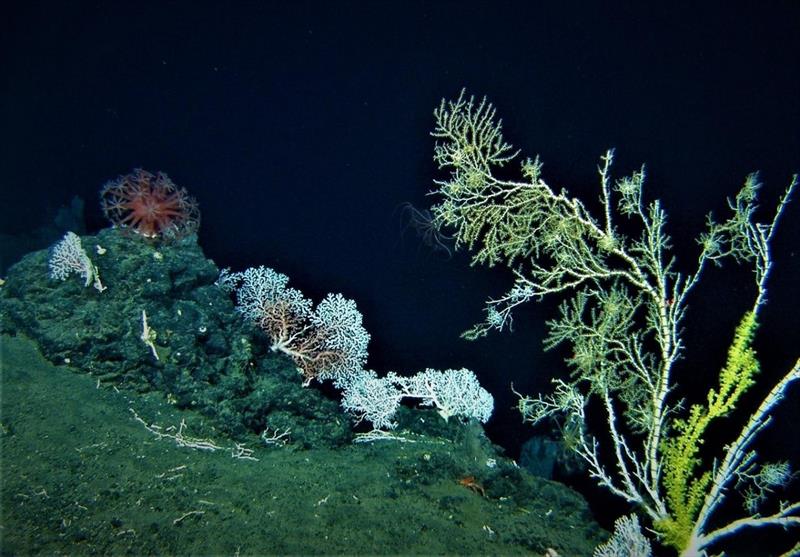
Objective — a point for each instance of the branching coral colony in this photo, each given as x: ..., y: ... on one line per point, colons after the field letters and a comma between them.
x: 623, y: 304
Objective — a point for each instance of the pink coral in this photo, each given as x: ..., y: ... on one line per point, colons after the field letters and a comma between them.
x: 150, y: 205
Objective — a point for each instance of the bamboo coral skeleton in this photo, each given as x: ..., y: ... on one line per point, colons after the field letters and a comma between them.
x: 621, y: 319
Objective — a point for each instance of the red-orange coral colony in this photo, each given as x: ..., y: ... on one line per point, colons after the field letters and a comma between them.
x: 150, y: 205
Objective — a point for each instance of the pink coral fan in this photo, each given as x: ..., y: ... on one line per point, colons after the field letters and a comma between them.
x: 150, y: 205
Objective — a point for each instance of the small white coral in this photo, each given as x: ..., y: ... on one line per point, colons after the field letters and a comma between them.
x: 627, y: 540
x: 68, y: 257
x: 371, y: 398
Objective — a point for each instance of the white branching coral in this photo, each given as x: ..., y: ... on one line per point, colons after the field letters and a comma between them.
x: 452, y: 392
x: 328, y: 342
x: 372, y: 398
x: 627, y: 540
x: 342, y: 331
x: 260, y: 288
x: 68, y: 257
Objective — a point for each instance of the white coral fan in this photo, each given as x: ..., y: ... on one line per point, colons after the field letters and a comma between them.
x: 372, y: 398
x: 627, y: 540
x: 453, y: 392
x: 68, y: 257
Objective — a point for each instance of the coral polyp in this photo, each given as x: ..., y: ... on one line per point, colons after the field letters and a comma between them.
x: 150, y: 205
